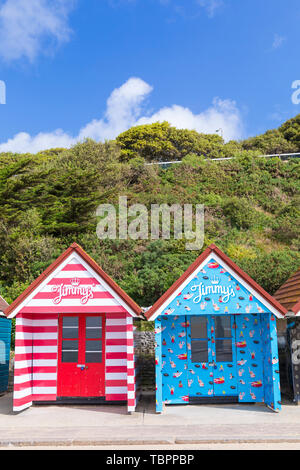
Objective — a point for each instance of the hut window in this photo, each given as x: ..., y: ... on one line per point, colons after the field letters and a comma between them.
x: 94, y: 327
x: 199, y: 339
x: 70, y: 351
x: 70, y: 327
x: 93, y: 351
x: 93, y: 346
x: 223, y: 327
x: 199, y: 327
x: 200, y: 351
x: 2, y: 352
x: 223, y: 339
x: 70, y: 340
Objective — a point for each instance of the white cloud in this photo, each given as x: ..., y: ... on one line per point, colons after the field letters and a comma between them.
x: 278, y: 41
x: 223, y: 114
x: 29, y: 27
x: 211, y: 6
x: 124, y: 110
x: 25, y: 143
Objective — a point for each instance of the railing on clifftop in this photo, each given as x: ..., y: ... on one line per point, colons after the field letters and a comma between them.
x: 282, y: 156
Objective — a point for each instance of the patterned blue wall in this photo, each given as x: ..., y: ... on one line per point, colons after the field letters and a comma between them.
x: 271, y: 363
x: 158, y: 364
x: 249, y: 344
x: 200, y: 375
x: 213, y: 291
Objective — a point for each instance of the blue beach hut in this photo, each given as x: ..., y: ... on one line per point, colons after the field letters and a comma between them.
x: 216, y: 337
x: 5, y: 336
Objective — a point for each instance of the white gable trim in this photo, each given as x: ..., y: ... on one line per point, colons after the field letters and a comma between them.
x: 250, y: 289
x: 231, y: 272
x: 54, y: 273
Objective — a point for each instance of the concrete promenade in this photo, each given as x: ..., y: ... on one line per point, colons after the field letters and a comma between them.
x: 79, y: 425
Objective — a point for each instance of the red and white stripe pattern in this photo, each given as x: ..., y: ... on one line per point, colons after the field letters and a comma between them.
x: 35, y: 359
x: 131, y: 401
x: 137, y: 370
x: 103, y: 301
x: 45, y: 346
x: 119, y: 371
x: 116, y: 358
x: 23, y: 363
x: 37, y: 338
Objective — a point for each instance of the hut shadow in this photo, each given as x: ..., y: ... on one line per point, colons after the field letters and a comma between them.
x: 244, y: 407
x: 6, y: 404
x: 146, y: 404
x: 106, y: 409
x: 257, y: 407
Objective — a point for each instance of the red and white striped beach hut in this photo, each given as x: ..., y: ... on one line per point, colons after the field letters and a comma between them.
x: 74, y: 336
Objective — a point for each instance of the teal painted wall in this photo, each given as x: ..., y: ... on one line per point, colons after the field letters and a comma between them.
x: 5, y: 338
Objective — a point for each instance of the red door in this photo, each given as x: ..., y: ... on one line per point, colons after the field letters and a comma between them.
x: 81, y: 361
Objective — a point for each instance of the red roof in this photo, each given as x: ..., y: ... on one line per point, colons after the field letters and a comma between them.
x: 289, y: 293
x: 74, y: 248
x: 214, y: 249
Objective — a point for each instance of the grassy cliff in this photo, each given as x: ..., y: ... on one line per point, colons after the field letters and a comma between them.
x: 252, y: 205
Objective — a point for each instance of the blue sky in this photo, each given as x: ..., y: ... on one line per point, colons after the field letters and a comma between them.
x: 93, y: 68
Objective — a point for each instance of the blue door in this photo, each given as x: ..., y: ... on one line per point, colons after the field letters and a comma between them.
x: 212, y: 369
x: 250, y: 357
x: 200, y: 357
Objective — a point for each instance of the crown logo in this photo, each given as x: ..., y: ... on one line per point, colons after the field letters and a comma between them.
x: 215, y: 280
x: 75, y: 282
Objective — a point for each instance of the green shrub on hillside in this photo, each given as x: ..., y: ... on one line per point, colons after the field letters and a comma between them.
x: 48, y: 200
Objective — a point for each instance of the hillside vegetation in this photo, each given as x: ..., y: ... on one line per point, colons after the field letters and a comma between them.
x: 252, y: 205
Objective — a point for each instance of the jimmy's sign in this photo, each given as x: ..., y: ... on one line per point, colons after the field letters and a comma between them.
x: 74, y: 289
x: 214, y: 289
x: 224, y: 292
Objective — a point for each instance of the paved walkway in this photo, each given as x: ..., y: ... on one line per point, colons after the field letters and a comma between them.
x: 179, y: 425
x: 171, y: 447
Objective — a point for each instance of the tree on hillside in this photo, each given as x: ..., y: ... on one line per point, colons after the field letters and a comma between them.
x: 160, y: 142
x: 11, y: 176
x: 285, y: 139
x: 272, y: 142
x: 291, y: 131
